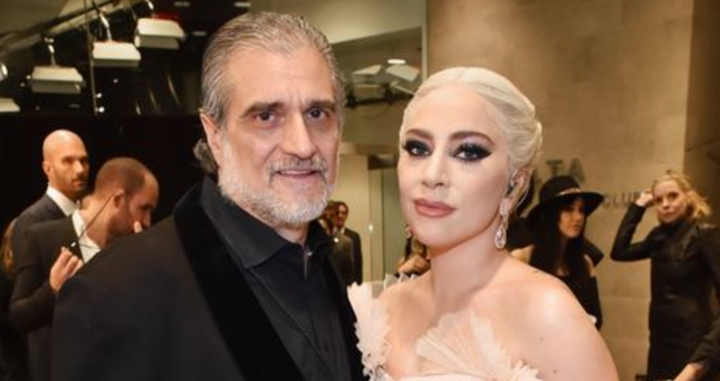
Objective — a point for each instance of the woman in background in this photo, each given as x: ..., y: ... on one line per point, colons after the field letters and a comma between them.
x: 415, y: 260
x: 558, y: 225
x: 685, y: 266
x: 469, y: 140
x: 12, y: 344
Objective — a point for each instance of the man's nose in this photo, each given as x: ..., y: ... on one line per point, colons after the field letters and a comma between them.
x: 78, y: 166
x: 297, y: 140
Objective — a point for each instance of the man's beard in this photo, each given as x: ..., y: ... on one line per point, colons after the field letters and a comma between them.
x: 268, y: 206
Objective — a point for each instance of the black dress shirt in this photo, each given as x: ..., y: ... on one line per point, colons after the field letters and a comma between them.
x: 289, y: 282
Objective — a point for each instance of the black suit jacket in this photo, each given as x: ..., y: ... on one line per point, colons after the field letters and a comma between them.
x: 170, y: 304
x: 33, y: 301
x: 44, y: 209
x: 357, y: 254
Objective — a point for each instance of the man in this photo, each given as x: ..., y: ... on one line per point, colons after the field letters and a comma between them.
x: 125, y: 195
x: 65, y: 163
x: 236, y: 284
x: 341, y: 254
x: 341, y: 216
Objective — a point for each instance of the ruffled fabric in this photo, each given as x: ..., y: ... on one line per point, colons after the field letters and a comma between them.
x: 464, y: 344
x: 462, y: 347
x: 371, y: 329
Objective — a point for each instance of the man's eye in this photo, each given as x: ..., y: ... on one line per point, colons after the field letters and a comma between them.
x: 265, y: 116
x: 471, y: 152
x: 416, y: 148
x: 316, y: 113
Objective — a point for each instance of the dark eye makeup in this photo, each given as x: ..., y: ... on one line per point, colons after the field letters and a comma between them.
x: 471, y: 152
x: 416, y: 148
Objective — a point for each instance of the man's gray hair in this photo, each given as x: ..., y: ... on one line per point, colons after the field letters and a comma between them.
x: 274, y: 32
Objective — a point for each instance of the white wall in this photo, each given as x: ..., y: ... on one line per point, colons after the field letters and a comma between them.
x: 343, y: 20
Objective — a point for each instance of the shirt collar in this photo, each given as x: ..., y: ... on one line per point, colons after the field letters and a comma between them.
x: 67, y: 205
x: 248, y: 238
x: 88, y: 247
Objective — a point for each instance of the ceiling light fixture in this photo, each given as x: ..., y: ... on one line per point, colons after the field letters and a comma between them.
x: 111, y: 53
x: 55, y: 79
x: 404, y: 72
x: 158, y: 33
x: 7, y: 105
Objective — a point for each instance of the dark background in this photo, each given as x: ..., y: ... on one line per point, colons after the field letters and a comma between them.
x: 163, y: 143
x: 149, y: 113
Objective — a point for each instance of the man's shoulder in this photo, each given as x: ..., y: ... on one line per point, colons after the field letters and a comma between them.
x: 48, y: 226
x: 138, y: 259
x: 350, y: 232
x: 42, y: 209
x: 159, y: 238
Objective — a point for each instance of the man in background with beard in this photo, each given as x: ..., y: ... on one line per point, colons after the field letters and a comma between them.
x: 236, y: 285
x: 66, y: 166
x: 124, y: 196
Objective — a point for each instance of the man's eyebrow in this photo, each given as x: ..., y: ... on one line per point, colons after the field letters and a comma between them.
x: 260, y: 107
x: 323, y: 103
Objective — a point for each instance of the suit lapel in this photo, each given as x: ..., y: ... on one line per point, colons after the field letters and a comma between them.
x: 70, y: 236
x: 247, y: 331
x: 347, y: 320
x: 50, y: 208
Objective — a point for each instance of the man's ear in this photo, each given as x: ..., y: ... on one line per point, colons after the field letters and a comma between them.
x: 46, y: 167
x: 212, y: 134
x: 118, y: 198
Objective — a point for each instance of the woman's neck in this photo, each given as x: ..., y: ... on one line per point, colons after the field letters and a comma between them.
x: 458, y: 272
x: 560, y: 266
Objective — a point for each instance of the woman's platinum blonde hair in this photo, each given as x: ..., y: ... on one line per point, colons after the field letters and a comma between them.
x: 698, y: 207
x: 512, y: 111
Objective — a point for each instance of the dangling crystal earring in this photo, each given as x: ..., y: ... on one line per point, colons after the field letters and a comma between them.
x: 501, y: 233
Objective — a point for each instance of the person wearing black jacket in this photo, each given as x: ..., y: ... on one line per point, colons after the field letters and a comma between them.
x: 685, y: 265
x: 557, y: 225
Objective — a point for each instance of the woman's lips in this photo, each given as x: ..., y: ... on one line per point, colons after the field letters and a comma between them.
x: 432, y: 209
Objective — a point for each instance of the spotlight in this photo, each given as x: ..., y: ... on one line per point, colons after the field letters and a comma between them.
x: 404, y: 72
x: 366, y: 74
x: 158, y: 34
x: 114, y: 53
x: 7, y: 105
x: 3, y: 71
x: 55, y: 79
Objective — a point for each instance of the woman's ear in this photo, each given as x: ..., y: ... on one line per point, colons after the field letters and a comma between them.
x: 516, y: 184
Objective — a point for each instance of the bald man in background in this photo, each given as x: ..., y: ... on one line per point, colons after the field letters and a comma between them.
x: 65, y: 163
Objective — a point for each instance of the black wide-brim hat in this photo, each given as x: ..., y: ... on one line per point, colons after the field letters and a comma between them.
x: 559, y: 190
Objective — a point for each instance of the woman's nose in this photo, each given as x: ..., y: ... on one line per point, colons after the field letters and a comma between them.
x: 435, y: 172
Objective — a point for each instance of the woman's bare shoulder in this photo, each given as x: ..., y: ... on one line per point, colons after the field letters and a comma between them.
x: 403, y: 292
x: 554, y: 333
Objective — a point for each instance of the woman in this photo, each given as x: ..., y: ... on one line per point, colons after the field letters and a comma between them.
x: 685, y: 265
x: 12, y: 343
x: 469, y: 139
x: 558, y: 226
x: 415, y: 259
